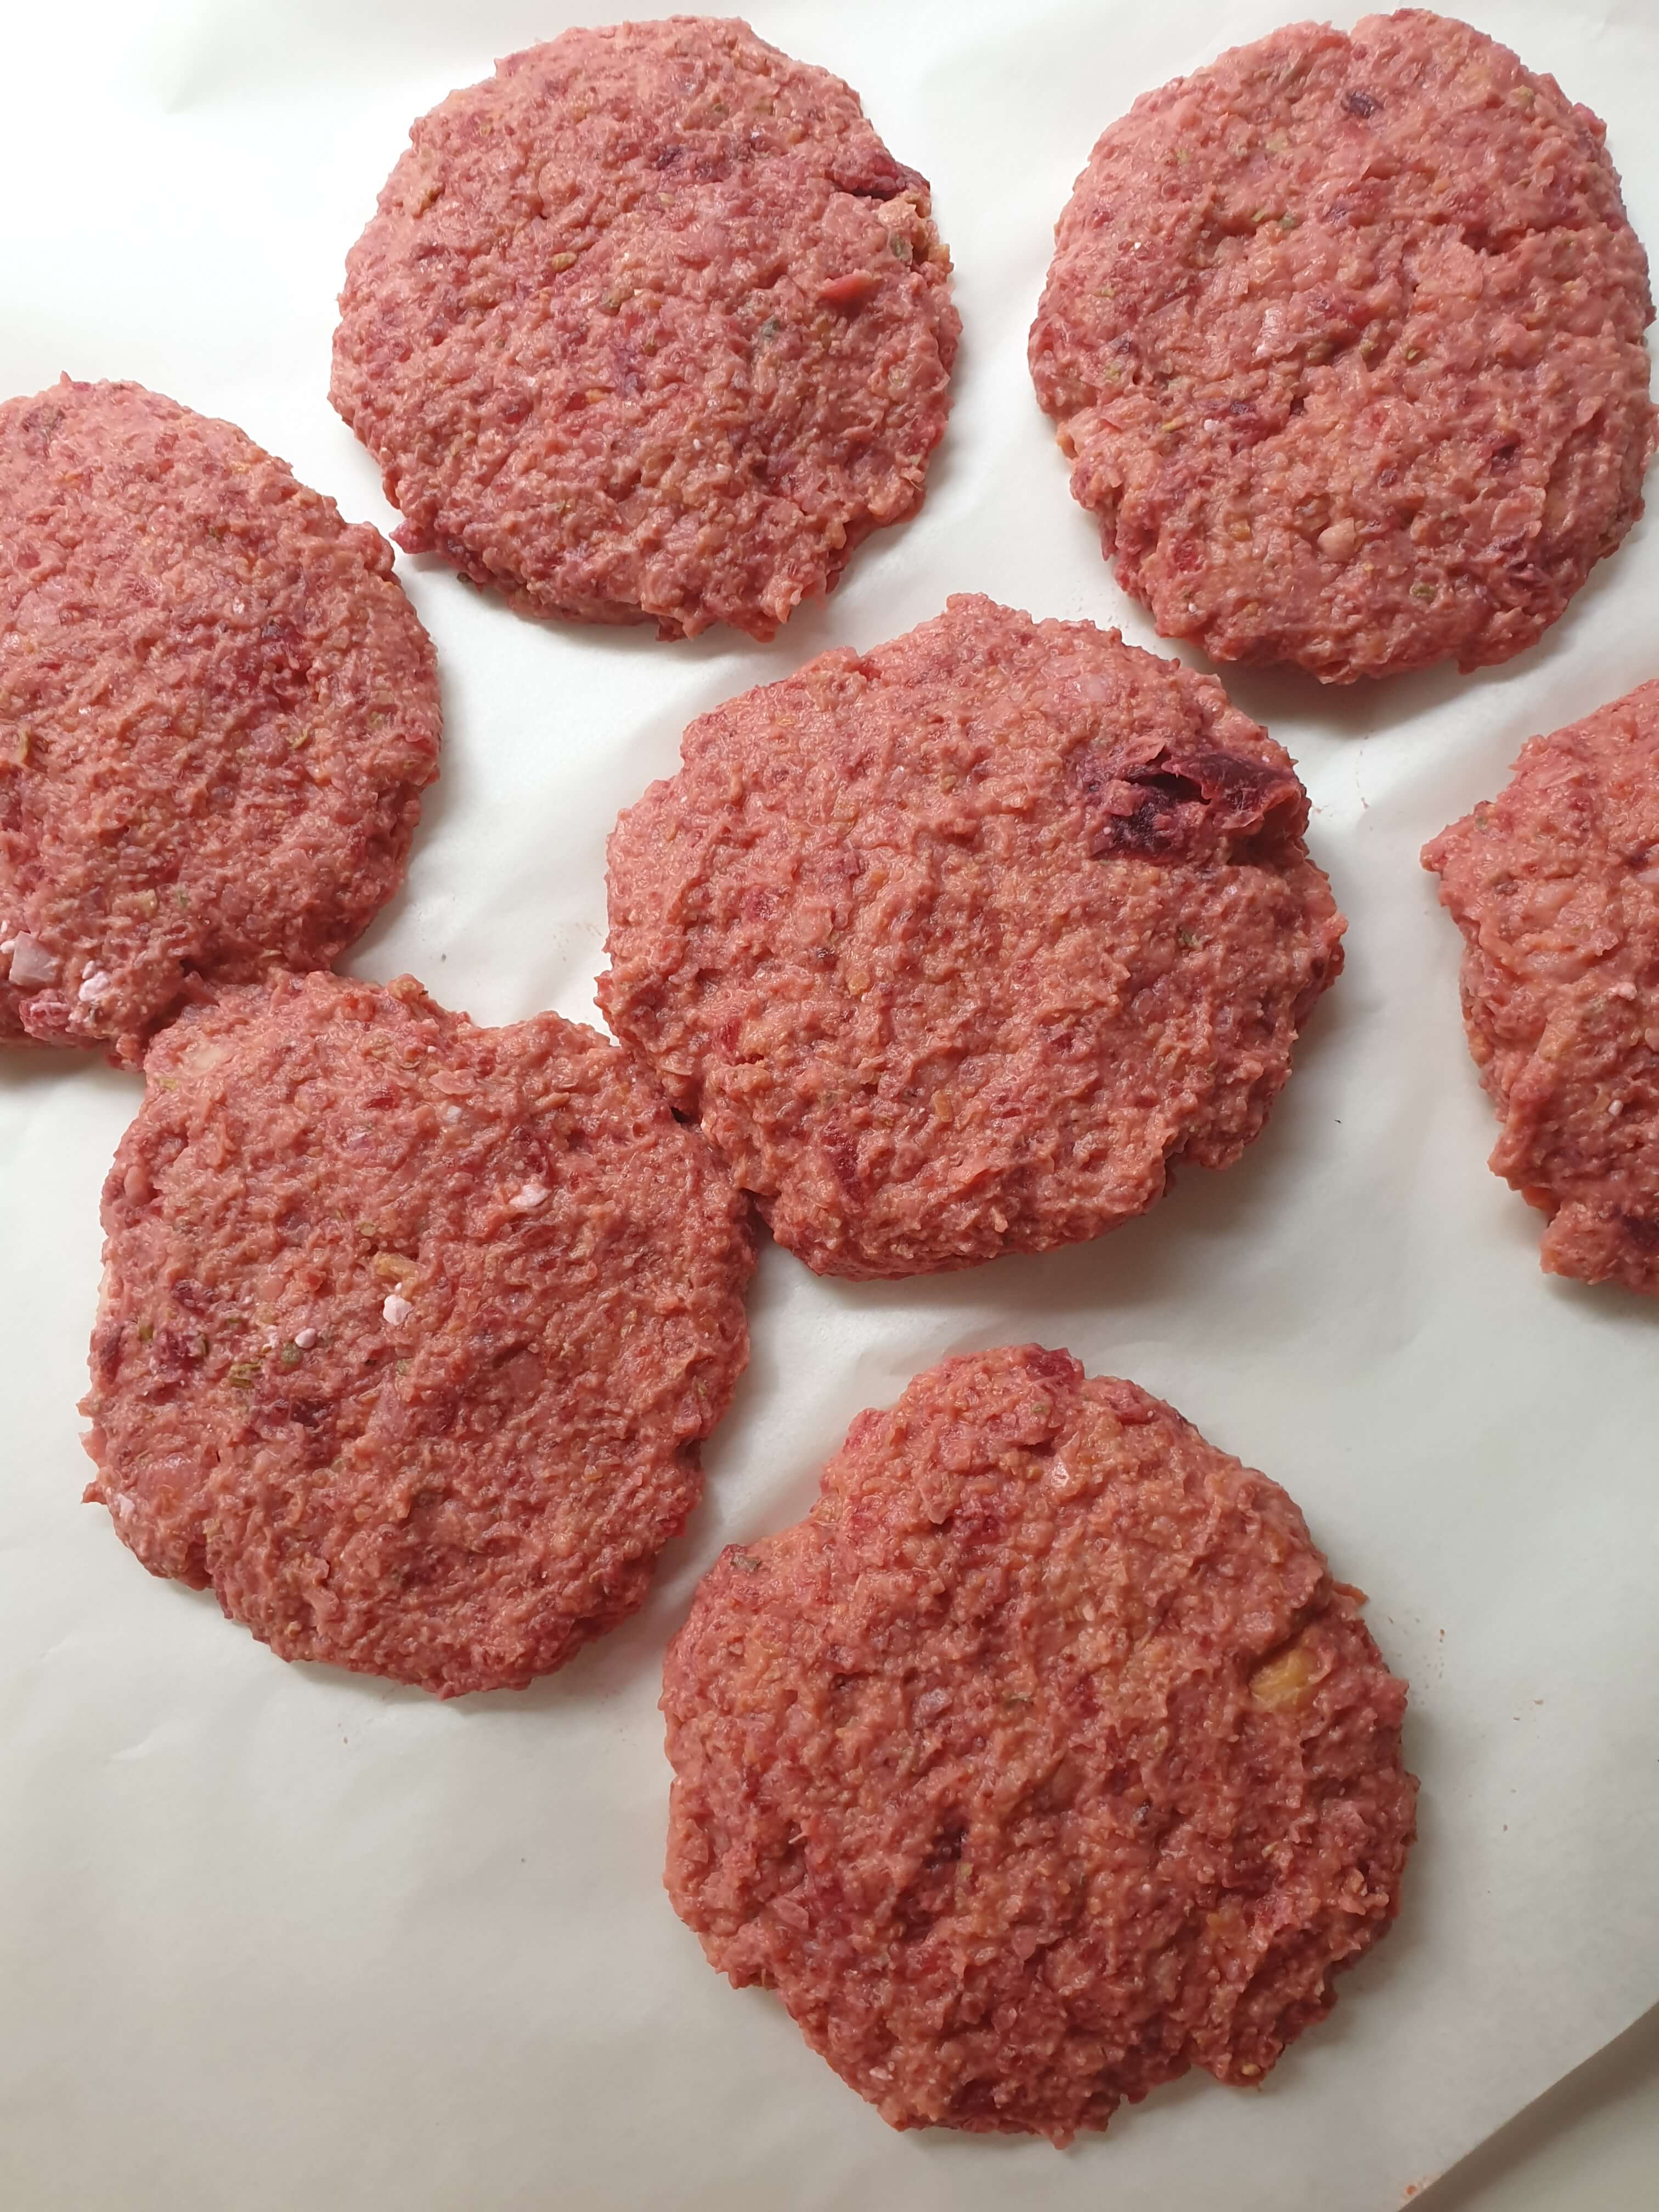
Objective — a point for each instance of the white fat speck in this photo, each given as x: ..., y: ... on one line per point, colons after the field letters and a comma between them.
x: 1615, y: 1107
x: 93, y: 987
x: 304, y: 1339
x: 201, y: 1058
x: 395, y: 1311
x: 1625, y: 991
x: 528, y: 1197
x: 452, y: 1114
x: 6, y: 944
x: 31, y: 963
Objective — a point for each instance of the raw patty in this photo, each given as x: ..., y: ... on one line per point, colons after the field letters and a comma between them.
x: 1345, y: 335
x: 649, y: 326
x: 1043, y: 1760
x: 955, y: 947
x: 1555, y: 886
x: 217, y: 712
x: 410, y: 1331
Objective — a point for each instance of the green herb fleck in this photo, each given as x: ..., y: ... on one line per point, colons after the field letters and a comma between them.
x: 243, y: 1374
x: 290, y: 1355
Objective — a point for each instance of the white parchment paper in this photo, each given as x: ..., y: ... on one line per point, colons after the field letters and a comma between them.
x: 274, y: 1937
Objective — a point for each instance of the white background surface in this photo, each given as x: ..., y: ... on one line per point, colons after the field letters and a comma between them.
x: 274, y: 1937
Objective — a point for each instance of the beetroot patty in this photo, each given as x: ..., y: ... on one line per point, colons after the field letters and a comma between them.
x: 410, y: 1331
x: 1344, y: 334
x: 1041, y: 1761
x: 1555, y: 886
x: 649, y: 326
x: 955, y: 947
x: 217, y: 712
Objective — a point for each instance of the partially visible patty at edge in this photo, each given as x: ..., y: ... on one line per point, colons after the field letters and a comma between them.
x: 217, y: 713
x: 1555, y: 886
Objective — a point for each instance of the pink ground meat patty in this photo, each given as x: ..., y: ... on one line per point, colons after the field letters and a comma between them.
x: 410, y: 1331
x: 954, y: 948
x: 1344, y: 336
x: 650, y: 325
x: 1555, y: 886
x: 217, y: 713
x: 1041, y: 1761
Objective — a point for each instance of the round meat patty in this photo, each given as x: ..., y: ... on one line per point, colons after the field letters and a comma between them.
x: 1555, y: 886
x: 1344, y: 334
x: 217, y: 712
x: 1041, y: 1761
x: 649, y: 326
x: 410, y: 1331
x: 956, y: 947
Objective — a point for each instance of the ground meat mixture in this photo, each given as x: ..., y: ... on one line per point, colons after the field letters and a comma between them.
x: 1041, y: 1761
x: 649, y: 326
x: 1555, y: 886
x: 410, y: 1331
x: 217, y: 712
x: 955, y: 947
x: 1344, y: 335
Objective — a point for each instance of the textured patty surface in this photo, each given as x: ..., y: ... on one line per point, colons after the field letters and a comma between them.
x: 1041, y: 1761
x: 1555, y: 886
x: 1344, y: 335
x: 650, y: 324
x: 954, y: 947
x: 410, y: 1331
x: 217, y: 712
